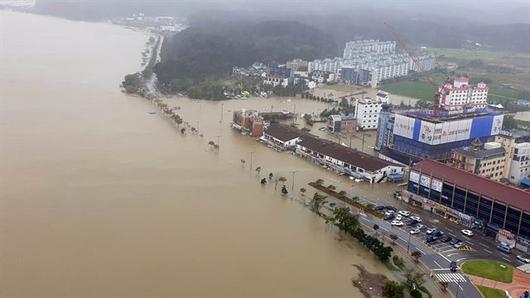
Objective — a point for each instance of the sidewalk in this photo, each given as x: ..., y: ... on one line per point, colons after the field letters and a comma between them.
x: 520, y: 283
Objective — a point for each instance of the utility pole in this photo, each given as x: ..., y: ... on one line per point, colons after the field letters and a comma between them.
x: 362, y: 148
x: 251, y: 153
x: 222, y: 111
x: 292, y: 184
x: 408, y: 244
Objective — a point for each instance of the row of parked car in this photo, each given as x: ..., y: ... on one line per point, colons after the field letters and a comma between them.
x: 403, y: 217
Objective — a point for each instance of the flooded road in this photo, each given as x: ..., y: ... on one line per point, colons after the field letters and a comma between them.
x: 101, y: 198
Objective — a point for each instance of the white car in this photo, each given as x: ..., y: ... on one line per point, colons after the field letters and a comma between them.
x: 468, y: 233
x: 429, y: 231
x: 414, y: 232
x: 404, y: 213
x: 416, y: 218
x: 397, y: 223
x: 399, y: 217
x: 523, y: 259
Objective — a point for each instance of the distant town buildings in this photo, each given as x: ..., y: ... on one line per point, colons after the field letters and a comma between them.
x: 368, y: 62
x: 297, y: 64
x: 158, y: 24
x: 459, y: 95
x: 357, y: 47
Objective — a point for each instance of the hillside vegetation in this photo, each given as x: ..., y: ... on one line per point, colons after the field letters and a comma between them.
x: 210, y: 50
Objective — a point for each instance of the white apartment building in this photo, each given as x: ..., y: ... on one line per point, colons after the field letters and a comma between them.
x: 379, y: 58
x: 460, y: 94
x: 520, y: 163
x: 356, y: 47
x: 329, y: 65
x: 367, y: 112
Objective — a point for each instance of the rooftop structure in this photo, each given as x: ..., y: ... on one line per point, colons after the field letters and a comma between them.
x: 488, y: 160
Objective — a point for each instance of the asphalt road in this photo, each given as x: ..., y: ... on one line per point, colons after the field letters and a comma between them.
x: 435, y: 260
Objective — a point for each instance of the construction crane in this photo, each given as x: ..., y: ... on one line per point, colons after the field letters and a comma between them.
x: 403, y: 45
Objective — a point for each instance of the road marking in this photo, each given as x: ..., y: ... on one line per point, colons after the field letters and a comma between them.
x: 488, y: 251
x: 460, y: 259
x: 451, y: 277
x: 452, y: 254
x: 506, y: 259
x: 445, y: 258
x: 451, y: 234
x: 437, y: 263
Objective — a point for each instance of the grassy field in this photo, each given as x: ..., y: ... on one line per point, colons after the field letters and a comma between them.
x: 416, y: 89
x: 489, y: 269
x: 491, y: 293
x: 507, y: 74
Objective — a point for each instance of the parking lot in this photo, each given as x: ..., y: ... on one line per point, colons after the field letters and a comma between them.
x: 435, y: 237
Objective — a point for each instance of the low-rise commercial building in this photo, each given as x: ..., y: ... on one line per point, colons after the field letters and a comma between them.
x: 341, y: 124
x: 488, y: 160
x: 345, y: 160
x: 282, y: 137
x: 470, y: 199
x: 341, y: 159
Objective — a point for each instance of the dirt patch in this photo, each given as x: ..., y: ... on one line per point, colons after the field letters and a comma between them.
x: 370, y: 284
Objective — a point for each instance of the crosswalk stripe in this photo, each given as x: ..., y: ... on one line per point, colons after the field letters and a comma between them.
x: 450, y: 277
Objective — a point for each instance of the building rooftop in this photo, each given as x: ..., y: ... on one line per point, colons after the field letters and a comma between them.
x: 344, y: 154
x: 481, y: 153
x: 284, y: 132
x: 481, y: 185
x: 445, y: 116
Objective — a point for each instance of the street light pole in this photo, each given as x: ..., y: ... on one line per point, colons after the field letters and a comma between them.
x: 408, y: 244
x: 292, y: 185
x: 222, y: 111
x: 251, y: 153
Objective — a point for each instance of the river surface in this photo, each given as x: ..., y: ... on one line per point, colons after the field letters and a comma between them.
x: 101, y: 198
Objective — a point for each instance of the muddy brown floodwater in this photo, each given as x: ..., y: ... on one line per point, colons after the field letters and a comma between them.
x: 100, y: 198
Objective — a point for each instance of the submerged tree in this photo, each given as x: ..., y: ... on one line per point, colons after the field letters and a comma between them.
x: 317, y: 202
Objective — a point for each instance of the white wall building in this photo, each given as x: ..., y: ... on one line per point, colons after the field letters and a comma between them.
x: 353, y: 48
x: 367, y: 112
x: 383, y: 97
x: 519, y: 163
x: 460, y: 94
